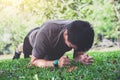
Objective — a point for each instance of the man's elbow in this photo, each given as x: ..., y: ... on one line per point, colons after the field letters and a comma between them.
x: 33, y: 61
x: 37, y: 62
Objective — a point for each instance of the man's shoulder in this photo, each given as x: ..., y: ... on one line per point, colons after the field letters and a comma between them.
x: 55, y: 24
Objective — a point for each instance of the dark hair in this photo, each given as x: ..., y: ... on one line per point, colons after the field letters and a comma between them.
x: 81, y: 34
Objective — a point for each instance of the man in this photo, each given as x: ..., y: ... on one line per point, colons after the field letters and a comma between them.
x: 48, y: 43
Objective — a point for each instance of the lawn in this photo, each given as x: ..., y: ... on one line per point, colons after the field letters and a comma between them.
x: 106, y: 66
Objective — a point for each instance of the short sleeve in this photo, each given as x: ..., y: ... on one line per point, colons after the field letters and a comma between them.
x: 40, y: 46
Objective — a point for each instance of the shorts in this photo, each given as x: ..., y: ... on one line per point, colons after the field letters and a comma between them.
x: 27, y: 47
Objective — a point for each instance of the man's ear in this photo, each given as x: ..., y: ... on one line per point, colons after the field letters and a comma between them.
x: 65, y: 34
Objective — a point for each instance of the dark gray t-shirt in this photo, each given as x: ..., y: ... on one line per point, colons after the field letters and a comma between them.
x: 48, y: 41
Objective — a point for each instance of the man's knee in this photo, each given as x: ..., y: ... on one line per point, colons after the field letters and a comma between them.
x: 20, y: 48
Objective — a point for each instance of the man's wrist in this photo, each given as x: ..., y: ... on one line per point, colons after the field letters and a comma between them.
x: 55, y: 63
x: 77, y: 56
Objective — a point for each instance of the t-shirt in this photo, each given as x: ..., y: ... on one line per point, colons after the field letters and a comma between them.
x: 48, y: 42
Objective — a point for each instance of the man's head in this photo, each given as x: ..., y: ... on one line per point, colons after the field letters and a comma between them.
x: 80, y: 35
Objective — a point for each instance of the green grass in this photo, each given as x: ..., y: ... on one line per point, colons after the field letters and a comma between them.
x: 106, y: 66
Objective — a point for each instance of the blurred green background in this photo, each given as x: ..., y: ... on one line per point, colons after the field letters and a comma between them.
x: 17, y: 17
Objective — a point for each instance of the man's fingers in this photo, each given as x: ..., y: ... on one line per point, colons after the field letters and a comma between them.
x: 66, y: 63
x: 65, y: 60
x: 91, y: 60
x: 85, y: 55
x: 90, y: 57
x: 87, y: 61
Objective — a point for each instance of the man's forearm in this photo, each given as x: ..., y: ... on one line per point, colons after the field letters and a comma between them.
x: 63, y: 61
x: 41, y: 62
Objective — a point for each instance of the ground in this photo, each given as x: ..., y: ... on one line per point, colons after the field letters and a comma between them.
x: 106, y: 66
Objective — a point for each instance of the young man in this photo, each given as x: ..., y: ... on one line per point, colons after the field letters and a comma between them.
x: 48, y: 43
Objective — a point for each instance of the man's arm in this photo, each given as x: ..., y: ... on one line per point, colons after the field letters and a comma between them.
x: 63, y: 61
x: 83, y: 58
x: 41, y: 62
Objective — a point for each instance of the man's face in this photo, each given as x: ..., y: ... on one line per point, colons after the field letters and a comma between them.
x: 69, y: 44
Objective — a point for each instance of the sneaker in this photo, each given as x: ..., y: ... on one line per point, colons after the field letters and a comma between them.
x: 16, y: 55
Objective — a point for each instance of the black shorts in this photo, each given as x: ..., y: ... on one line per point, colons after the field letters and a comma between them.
x: 27, y: 48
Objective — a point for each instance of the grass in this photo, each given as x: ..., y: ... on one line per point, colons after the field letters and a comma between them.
x: 106, y: 66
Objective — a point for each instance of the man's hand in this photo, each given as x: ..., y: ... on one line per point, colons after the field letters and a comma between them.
x: 83, y: 58
x: 63, y: 61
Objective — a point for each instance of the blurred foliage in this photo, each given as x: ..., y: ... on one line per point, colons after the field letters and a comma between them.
x: 17, y: 17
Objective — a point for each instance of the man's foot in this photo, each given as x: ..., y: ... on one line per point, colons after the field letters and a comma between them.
x: 16, y: 55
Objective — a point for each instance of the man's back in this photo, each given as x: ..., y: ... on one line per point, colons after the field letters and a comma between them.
x: 49, y: 38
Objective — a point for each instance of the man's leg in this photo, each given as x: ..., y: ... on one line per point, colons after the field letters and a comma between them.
x: 27, y: 48
x: 18, y: 51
